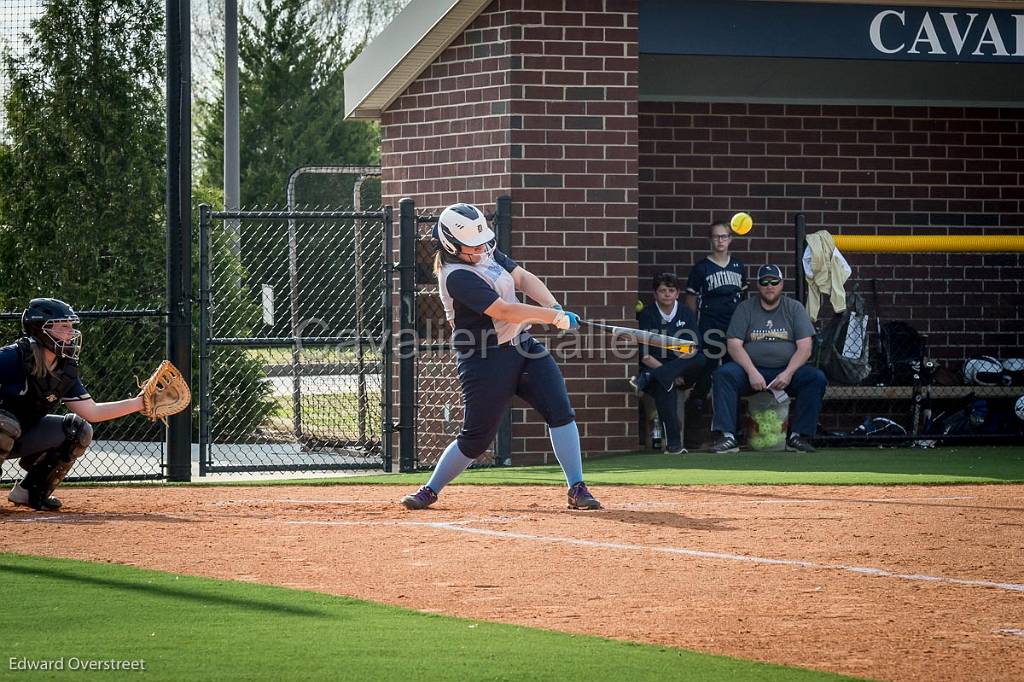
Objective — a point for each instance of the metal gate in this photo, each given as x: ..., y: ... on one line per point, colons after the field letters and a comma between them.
x: 430, y: 396
x: 295, y: 349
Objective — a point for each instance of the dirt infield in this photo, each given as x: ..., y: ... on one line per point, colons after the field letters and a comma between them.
x: 904, y: 583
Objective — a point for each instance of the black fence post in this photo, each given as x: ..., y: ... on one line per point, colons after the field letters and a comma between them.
x: 204, y: 333
x: 179, y: 227
x: 407, y: 342
x: 503, y: 228
x: 387, y: 356
x: 800, y: 236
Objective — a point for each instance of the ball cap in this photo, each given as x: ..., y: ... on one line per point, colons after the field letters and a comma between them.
x: 769, y: 271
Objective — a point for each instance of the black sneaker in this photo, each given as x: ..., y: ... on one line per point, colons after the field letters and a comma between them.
x: 796, y: 443
x: 675, y: 450
x: 580, y: 498
x: 725, y: 444
x: 421, y: 499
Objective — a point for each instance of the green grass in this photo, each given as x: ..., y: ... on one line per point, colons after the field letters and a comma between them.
x: 330, y: 414
x: 187, y: 628
x: 283, y: 356
x: 847, y: 466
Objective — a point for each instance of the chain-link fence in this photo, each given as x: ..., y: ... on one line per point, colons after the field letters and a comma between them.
x: 294, y: 349
x: 16, y: 17
x: 432, y: 380
x: 118, y: 346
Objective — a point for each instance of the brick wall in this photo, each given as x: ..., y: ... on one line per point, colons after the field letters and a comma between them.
x: 855, y: 170
x: 538, y: 99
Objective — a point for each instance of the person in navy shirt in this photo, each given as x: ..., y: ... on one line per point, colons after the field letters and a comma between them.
x: 38, y: 373
x: 663, y: 371
x: 716, y: 285
x: 495, y: 355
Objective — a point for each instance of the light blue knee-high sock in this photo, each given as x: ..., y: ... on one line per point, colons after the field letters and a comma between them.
x: 565, y: 440
x: 451, y: 464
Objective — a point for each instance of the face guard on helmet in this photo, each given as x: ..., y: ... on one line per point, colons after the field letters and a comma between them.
x: 51, y: 322
x: 462, y: 225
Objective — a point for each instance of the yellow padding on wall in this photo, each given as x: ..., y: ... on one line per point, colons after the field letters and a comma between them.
x: 982, y: 243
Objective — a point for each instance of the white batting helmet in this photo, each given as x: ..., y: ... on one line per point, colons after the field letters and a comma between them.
x: 983, y: 371
x: 462, y: 225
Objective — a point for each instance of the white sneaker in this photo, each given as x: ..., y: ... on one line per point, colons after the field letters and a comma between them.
x: 20, y: 496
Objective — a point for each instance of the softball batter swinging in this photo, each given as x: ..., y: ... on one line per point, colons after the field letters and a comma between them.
x: 496, y: 357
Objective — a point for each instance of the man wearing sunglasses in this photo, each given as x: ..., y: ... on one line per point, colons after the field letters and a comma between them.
x: 769, y: 339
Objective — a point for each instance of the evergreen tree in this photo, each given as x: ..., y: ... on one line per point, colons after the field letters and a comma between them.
x: 82, y: 171
x: 291, y: 93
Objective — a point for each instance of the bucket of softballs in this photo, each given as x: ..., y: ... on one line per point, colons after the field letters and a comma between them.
x: 767, y: 420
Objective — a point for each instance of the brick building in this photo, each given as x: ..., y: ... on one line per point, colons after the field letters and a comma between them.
x: 621, y: 129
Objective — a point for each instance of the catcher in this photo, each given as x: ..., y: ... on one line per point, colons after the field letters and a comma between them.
x: 38, y: 372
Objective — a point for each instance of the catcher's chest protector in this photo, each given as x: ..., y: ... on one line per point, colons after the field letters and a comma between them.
x: 42, y: 395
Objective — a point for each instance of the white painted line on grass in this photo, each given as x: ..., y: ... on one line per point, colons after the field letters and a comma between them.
x: 697, y: 553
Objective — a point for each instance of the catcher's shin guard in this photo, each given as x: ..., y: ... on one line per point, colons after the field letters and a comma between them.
x: 10, y: 432
x: 51, y: 468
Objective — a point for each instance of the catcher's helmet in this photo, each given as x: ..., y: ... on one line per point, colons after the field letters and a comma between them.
x: 462, y: 225
x: 38, y: 320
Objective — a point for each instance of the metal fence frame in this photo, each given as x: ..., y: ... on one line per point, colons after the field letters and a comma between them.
x: 206, y: 218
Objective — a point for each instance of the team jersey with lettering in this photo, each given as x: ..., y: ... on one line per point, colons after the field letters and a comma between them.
x: 718, y: 290
x: 468, y: 290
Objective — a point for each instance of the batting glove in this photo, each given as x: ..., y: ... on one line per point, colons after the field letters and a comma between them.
x: 567, y: 321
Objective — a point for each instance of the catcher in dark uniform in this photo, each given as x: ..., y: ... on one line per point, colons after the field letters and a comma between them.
x: 39, y: 372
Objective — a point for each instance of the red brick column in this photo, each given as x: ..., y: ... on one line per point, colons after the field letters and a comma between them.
x: 542, y: 105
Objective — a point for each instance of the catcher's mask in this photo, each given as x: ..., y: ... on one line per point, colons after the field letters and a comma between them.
x: 52, y: 322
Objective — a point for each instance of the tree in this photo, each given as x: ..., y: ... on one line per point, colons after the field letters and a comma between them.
x: 353, y: 23
x: 291, y: 94
x: 82, y: 173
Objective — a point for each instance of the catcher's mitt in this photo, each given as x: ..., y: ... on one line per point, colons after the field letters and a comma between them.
x: 164, y: 393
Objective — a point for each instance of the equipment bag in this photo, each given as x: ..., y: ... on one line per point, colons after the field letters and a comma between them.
x: 841, y: 349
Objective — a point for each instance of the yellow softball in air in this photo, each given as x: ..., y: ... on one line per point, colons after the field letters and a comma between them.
x: 741, y: 223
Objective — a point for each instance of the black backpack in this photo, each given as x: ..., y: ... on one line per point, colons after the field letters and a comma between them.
x: 901, y: 352
x: 837, y: 336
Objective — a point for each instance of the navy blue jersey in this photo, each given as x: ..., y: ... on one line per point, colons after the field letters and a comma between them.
x: 682, y: 325
x: 468, y: 290
x: 30, y: 398
x: 718, y: 290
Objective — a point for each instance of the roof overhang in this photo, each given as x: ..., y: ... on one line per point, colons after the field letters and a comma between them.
x: 402, y: 51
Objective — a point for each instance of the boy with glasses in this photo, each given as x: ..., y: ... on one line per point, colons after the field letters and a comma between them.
x: 769, y: 339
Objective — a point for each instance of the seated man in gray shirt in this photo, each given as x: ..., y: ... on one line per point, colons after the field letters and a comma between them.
x: 769, y: 338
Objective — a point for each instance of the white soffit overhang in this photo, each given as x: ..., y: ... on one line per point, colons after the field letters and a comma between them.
x: 402, y: 51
